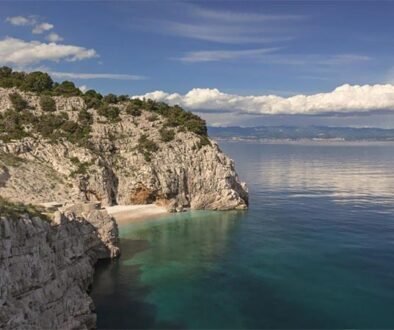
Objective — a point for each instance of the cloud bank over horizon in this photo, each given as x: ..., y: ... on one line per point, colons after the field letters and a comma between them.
x: 344, y: 100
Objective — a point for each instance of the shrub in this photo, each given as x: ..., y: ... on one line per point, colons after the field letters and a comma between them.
x: 204, y: 141
x: 111, y: 99
x: 146, y: 147
x: 133, y: 110
x: 85, y: 118
x: 152, y: 118
x: 12, y: 125
x: 17, y: 101
x: 82, y: 167
x: 47, y: 103
x: 111, y: 113
x: 123, y: 98
x: 167, y: 135
x: 48, y: 124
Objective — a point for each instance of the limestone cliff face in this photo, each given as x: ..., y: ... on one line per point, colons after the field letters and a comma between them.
x: 47, y: 267
x: 113, y: 170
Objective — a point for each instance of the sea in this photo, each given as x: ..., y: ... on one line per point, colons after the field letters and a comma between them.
x: 315, y: 250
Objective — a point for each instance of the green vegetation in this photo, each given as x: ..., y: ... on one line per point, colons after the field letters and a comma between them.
x: 110, y: 99
x: 109, y: 112
x: 204, y: 141
x: 133, y: 110
x: 66, y: 88
x: 55, y: 126
x: 37, y: 82
x: 47, y: 103
x: 17, y: 125
x: 18, y: 102
x: 167, y: 135
x: 82, y: 167
x: 16, y: 210
x: 147, y: 147
x: 152, y: 117
x: 92, y: 99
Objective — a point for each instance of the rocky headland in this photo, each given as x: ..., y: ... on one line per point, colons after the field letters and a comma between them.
x: 76, y: 153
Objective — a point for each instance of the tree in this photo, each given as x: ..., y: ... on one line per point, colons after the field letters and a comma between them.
x: 67, y: 88
x: 37, y: 82
x: 111, y: 98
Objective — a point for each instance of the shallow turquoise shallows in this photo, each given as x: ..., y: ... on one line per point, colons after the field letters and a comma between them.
x: 315, y: 249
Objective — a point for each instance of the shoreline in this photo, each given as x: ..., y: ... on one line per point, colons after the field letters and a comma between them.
x: 125, y: 214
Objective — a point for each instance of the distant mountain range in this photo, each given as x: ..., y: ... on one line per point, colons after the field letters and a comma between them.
x: 302, y: 133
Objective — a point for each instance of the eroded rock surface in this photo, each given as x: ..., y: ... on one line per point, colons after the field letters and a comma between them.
x: 46, y: 267
x: 113, y: 170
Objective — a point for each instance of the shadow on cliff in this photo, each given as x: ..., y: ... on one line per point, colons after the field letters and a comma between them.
x: 130, y: 311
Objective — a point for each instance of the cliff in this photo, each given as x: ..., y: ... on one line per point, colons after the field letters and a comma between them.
x: 46, y: 266
x: 131, y: 152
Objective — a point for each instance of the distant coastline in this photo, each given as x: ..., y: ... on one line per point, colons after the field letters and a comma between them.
x: 303, y: 135
x: 335, y: 142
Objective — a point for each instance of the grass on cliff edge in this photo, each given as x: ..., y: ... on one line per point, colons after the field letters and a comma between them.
x: 15, y: 210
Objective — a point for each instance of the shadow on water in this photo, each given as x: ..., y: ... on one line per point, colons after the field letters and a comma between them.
x: 129, y: 311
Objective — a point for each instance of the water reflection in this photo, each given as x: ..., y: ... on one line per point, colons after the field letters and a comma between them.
x: 346, y: 174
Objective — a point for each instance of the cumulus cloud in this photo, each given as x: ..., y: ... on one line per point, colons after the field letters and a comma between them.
x: 53, y: 37
x: 21, y: 20
x: 345, y: 99
x: 79, y: 75
x: 19, y: 52
x: 42, y: 27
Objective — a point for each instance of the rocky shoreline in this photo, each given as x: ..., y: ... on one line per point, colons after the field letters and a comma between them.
x: 47, y: 267
x: 59, y: 146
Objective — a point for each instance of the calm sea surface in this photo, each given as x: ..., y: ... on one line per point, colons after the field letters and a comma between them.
x: 315, y: 249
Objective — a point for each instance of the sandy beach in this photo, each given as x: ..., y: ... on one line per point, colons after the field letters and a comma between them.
x: 131, y: 213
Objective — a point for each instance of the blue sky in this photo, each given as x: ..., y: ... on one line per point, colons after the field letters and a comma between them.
x: 240, y: 48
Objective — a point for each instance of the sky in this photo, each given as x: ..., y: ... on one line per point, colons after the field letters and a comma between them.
x: 246, y: 63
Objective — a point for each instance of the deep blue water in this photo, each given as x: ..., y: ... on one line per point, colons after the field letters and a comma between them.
x: 315, y: 249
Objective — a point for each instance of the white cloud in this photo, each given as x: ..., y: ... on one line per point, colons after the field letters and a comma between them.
x: 83, y: 88
x: 345, y: 99
x: 220, y: 55
x: 20, y: 52
x: 79, y: 75
x: 21, y: 20
x: 53, y: 37
x: 222, y: 33
x: 228, y: 16
x: 42, y: 27
x: 225, y: 26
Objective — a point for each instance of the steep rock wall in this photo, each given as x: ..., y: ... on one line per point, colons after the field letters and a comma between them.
x: 47, y: 267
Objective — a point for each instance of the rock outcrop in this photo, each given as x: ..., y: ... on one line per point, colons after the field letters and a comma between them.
x: 114, y: 168
x: 46, y: 267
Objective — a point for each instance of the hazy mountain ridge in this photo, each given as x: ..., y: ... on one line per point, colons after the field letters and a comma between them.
x: 302, y: 133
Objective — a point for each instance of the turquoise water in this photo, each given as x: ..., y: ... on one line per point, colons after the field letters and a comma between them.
x: 315, y: 249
